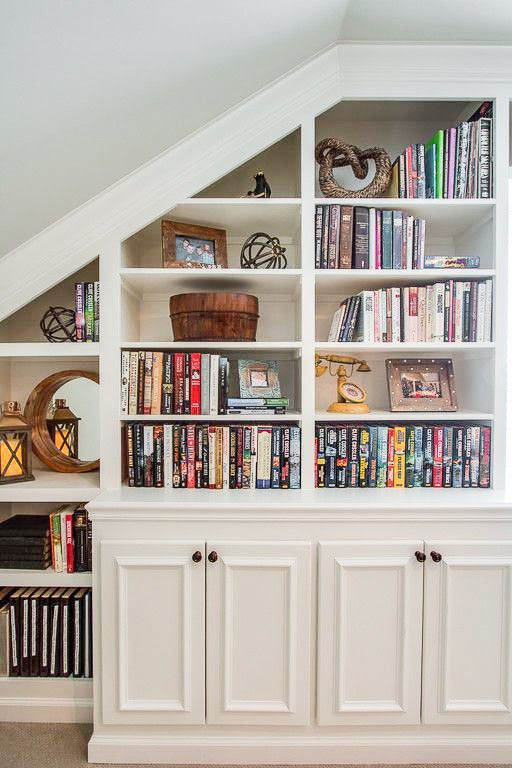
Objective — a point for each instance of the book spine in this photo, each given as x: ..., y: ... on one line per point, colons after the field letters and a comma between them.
x: 195, y: 383
x: 70, y: 545
x: 205, y: 384
x: 318, y: 236
x: 457, y: 456
x: 428, y: 456
x: 437, y: 464
x: 168, y: 455
x: 186, y: 383
x: 346, y: 237
x: 397, y: 240
x: 382, y: 456
x: 399, y: 457
x: 364, y: 456
x: 353, y: 457
x: 447, y: 457
x: 390, y: 474
x: 80, y: 311
x: 275, y: 473
x: 191, y: 456
x: 264, y: 452
x: 167, y: 384
x: 330, y: 456
x: 125, y: 380
x: 295, y: 455
x: 148, y: 382
x: 96, y: 311
x: 285, y: 458
x: 148, y: 455
x: 158, y: 456
x: 484, y: 480
x: 141, y: 372
x: 361, y: 241
x: 179, y: 382
x: 324, y: 254
x: 89, y: 311
x: 334, y: 237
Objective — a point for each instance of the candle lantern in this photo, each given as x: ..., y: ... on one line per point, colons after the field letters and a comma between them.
x: 63, y: 429
x: 15, y: 444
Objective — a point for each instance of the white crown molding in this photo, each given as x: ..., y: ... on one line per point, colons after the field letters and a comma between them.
x: 345, y: 69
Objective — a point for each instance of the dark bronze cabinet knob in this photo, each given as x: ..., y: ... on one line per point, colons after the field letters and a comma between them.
x: 436, y: 557
x: 197, y: 556
x: 213, y: 557
x: 420, y: 556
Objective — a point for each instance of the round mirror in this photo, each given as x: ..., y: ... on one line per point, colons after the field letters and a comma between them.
x: 63, y: 411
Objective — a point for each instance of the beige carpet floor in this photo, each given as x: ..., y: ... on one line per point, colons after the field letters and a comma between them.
x: 42, y: 745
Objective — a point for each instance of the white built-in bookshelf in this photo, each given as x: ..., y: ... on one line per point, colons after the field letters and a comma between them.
x: 296, y: 307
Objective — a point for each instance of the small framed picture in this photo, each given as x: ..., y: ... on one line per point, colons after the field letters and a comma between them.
x: 189, y: 245
x: 259, y: 378
x: 421, y: 385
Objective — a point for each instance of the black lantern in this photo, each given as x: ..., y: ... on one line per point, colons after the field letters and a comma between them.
x: 15, y: 445
x: 63, y: 429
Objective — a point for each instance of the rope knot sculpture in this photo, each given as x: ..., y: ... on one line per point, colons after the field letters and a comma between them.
x: 336, y: 153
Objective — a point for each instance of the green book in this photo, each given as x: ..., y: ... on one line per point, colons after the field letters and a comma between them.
x: 89, y: 311
x: 437, y: 142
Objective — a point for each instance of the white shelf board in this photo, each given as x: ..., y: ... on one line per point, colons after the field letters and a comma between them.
x: 445, y: 217
x: 404, y: 346
x: 46, y: 687
x: 232, y: 418
x: 145, y: 501
x: 384, y: 415
x: 53, y: 486
x: 23, y: 577
x: 267, y: 281
x: 330, y: 281
x: 198, y: 346
x: 47, y: 351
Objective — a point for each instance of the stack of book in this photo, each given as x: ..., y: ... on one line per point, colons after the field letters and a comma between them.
x: 367, y: 238
x: 46, y: 632
x: 449, y: 311
x: 454, y: 163
x: 257, y: 406
x: 25, y: 542
x: 87, y: 311
x: 71, y: 539
x: 413, y: 456
x: 164, y: 383
x: 213, y: 456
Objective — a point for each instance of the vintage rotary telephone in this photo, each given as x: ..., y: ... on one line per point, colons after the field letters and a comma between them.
x: 351, y: 397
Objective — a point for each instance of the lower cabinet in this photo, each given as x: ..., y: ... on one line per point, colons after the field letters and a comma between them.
x: 369, y: 632
x: 252, y: 598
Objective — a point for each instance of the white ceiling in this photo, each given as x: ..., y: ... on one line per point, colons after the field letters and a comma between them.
x: 91, y: 89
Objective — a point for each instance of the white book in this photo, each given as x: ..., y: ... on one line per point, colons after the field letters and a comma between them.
x: 409, y: 235
x: 405, y: 314
x: 371, y: 237
x: 205, y: 384
x: 395, y: 314
x: 254, y: 438
x: 63, y: 539
x: 459, y: 298
x: 364, y: 330
x: 376, y: 317
x: 148, y: 445
x: 480, y: 312
x: 214, y: 385
x: 125, y: 380
x: 167, y: 455
x: 488, y: 311
x: 421, y: 245
x: 133, y: 383
x: 225, y: 458
x: 337, y: 320
x: 382, y: 302
x: 438, y: 312
x: 422, y: 311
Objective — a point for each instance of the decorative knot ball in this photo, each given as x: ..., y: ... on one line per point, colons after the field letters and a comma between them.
x: 336, y: 153
x: 262, y: 251
x: 58, y: 324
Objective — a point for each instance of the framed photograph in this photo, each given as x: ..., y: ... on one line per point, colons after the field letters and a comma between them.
x: 193, y: 246
x: 259, y: 378
x: 421, y: 385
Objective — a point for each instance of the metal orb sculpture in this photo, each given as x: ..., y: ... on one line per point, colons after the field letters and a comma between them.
x: 58, y: 325
x: 262, y: 251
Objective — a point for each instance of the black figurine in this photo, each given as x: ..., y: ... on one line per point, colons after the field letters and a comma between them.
x: 262, y: 188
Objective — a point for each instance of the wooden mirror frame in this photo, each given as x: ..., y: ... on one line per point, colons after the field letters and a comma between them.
x: 36, y: 411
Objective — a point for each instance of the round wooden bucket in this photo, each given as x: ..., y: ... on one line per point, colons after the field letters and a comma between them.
x: 214, y: 316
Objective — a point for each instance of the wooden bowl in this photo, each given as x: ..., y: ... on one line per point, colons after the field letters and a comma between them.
x: 214, y: 316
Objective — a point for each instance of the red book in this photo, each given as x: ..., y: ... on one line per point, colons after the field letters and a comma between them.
x: 437, y: 469
x: 191, y: 456
x: 70, y: 549
x: 391, y: 458
x: 195, y: 383
x: 179, y: 382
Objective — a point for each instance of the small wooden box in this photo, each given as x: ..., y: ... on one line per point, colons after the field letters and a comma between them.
x: 214, y: 316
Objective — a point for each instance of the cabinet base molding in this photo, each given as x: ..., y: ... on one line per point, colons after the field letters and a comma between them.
x: 45, y: 710
x: 299, y: 751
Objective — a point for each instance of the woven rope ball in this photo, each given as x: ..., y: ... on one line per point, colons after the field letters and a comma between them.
x: 336, y: 153
x: 58, y: 324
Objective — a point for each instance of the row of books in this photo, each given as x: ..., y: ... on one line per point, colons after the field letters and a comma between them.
x: 398, y: 456
x: 62, y: 540
x: 348, y: 237
x: 46, y: 632
x: 87, y: 311
x: 449, y: 311
x: 454, y: 163
x: 211, y: 456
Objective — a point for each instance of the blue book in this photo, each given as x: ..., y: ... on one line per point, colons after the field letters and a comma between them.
x: 382, y: 456
x: 430, y: 170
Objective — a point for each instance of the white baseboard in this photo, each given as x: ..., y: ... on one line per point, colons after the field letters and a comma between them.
x: 297, y: 751
x: 45, y: 710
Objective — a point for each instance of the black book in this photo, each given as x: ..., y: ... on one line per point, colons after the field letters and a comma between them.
x: 232, y: 457
x: 342, y: 457
x: 158, y: 456
x: 54, y: 638
x: 89, y: 542
x: 352, y: 321
x: 138, y: 455
x: 33, y: 565
x: 78, y: 621
x: 275, y: 470
x: 198, y: 469
x: 330, y: 456
x: 186, y: 395
x: 205, y: 468
x: 167, y: 384
x: 25, y: 632
x: 80, y: 538
x: 35, y: 630
x: 15, y: 624
x: 87, y: 643
x: 44, y: 632
x: 466, y: 458
x: 428, y: 455
x: 66, y: 636
x: 285, y: 457
x: 320, y: 456
x: 353, y: 457
x: 140, y: 381
x: 34, y: 526
x: 361, y: 239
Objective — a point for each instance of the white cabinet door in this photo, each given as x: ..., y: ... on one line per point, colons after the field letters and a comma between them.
x: 258, y: 630
x: 467, y: 670
x: 369, y: 632
x: 152, y: 632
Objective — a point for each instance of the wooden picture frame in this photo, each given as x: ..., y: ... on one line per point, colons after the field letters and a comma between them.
x: 421, y: 384
x: 206, y: 247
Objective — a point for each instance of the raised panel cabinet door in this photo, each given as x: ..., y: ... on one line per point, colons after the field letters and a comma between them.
x: 369, y: 632
x: 467, y: 644
x: 258, y: 628
x: 153, y: 632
